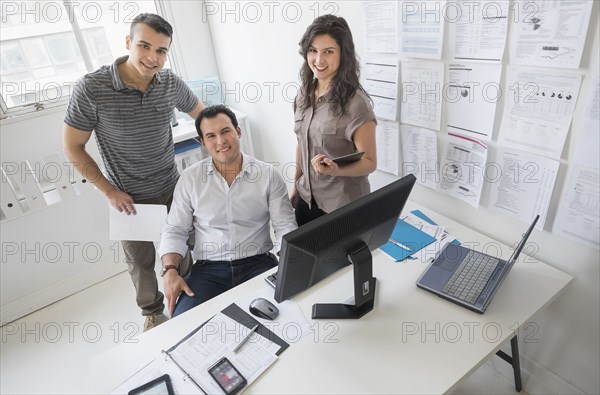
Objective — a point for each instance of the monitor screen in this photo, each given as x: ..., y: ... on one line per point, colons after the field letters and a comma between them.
x: 342, y: 237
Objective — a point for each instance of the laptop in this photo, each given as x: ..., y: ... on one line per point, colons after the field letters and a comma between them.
x: 467, y: 277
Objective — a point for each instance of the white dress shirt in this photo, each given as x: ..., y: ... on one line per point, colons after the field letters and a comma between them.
x: 230, y: 222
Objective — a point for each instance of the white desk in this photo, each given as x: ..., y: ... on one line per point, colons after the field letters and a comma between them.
x: 412, y: 342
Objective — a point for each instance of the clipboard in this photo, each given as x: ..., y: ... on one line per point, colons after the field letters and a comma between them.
x: 236, y: 313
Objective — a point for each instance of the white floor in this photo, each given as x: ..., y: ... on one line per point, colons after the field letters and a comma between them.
x: 48, y: 351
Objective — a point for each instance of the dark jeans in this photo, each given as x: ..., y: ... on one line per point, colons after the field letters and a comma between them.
x: 305, y: 214
x: 211, y: 278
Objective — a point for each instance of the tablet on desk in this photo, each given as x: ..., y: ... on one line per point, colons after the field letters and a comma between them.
x: 161, y: 385
x: 344, y: 160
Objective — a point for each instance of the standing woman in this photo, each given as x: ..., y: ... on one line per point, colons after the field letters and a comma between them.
x: 333, y: 117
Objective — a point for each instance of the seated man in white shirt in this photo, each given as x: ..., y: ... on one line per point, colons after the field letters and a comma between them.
x: 228, y: 199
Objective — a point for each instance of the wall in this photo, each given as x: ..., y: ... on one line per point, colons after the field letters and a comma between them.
x: 256, y: 50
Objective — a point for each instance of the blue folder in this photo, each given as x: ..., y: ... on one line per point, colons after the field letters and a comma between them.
x: 405, y: 241
x: 425, y: 218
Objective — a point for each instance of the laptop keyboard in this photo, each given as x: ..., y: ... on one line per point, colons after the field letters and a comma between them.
x: 471, y: 277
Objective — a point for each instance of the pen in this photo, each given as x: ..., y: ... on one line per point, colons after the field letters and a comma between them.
x: 394, y: 242
x: 245, y: 339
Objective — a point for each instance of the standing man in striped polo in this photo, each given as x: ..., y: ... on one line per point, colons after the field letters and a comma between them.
x: 129, y: 105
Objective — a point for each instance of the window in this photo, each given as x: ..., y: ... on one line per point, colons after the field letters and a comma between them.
x: 45, y: 46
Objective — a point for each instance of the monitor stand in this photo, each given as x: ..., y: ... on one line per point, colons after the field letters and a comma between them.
x: 364, y: 289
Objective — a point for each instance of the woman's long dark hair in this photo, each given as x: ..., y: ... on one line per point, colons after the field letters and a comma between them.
x: 346, y: 80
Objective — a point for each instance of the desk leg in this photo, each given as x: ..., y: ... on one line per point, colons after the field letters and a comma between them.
x: 514, y: 361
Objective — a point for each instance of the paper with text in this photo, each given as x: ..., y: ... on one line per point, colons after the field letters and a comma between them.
x: 216, y: 339
x: 463, y: 163
x: 381, y: 26
x: 587, y: 142
x: 479, y: 35
x: 522, y: 185
x: 471, y: 95
x: 388, y: 146
x: 419, y: 154
x: 578, y: 215
x: 146, y: 225
x: 538, y: 110
x: 421, y: 103
x: 381, y: 82
x: 421, y: 31
x: 549, y: 33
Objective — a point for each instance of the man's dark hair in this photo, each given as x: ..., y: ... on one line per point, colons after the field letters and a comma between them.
x: 213, y: 111
x: 156, y: 22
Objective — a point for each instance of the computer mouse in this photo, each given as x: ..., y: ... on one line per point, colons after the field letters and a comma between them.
x: 262, y: 308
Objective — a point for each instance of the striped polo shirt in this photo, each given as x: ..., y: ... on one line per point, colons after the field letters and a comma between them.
x: 133, y: 128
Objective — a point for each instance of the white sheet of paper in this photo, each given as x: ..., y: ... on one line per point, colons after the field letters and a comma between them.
x: 421, y: 31
x: 523, y: 185
x: 381, y: 82
x: 479, y: 35
x: 587, y: 146
x: 419, y: 154
x: 421, y: 103
x: 146, y: 225
x: 578, y: 215
x: 388, y: 146
x: 463, y: 163
x: 549, y: 33
x: 538, y: 110
x: 471, y: 95
x: 381, y: 26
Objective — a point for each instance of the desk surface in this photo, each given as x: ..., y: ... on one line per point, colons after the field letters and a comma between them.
x: 412, y: 342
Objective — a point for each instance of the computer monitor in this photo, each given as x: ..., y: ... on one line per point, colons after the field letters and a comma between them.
x: 342, y: 237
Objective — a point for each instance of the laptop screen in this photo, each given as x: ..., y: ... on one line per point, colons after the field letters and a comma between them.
x: 517, y: 251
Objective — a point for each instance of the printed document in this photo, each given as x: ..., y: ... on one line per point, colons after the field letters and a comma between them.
x: 421, y: 103
x: 538, y: 110
x: 381, y: 83
x: 479, y: 35
x: 549, y: 33
x: 587, y: 142
x: 381, y: 26
x: 578, y: 215
x: 419, y: 154
x: 388, y: 146
x: 463, y: 162
x: 522, y: 185
x: 471, y: 95
x: 421, y: 30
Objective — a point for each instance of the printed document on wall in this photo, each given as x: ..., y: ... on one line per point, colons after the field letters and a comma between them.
x: 578, y: 216
x: 381, y: 82
x: 463, y: 162
x: 471, y: 95
x: 522, y: 185
x: 419, y: 154
x: 421, y: 103
x: 388, y: 143
x: 381, y: 26
x: 549, y: 33
x: 538, y: 110
x: 479, y: 35
x: 587, y: 145
x: 422, y: 29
